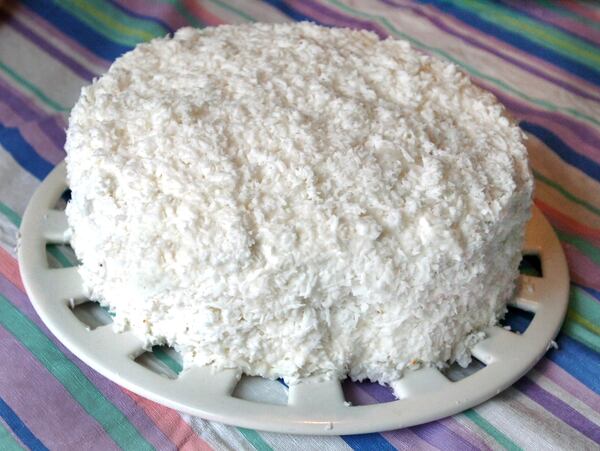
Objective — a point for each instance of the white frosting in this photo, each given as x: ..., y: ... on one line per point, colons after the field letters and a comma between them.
x: 294, y: 200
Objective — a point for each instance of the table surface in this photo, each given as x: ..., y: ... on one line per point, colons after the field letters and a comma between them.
x: 541, y: 60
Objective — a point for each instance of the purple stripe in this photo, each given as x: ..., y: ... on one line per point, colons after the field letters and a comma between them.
x: 339, y: 18
x: 400, y: 438
x: 568, y: 383
x: 550, y: 17
x: 44, y: 25
x: 24, y: 110
x: 586, y: 134
x: 559, y: 409
x: 48, y: 48
x: 435, y: 433
x: 110, y: 390
x: 45, y: 394
x: 539, y: 72
x: 52, y: 125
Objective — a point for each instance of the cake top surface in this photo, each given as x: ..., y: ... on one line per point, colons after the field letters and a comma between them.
x: 283, y: 167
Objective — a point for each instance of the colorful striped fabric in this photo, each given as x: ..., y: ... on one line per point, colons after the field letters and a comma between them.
x: 541, y: 59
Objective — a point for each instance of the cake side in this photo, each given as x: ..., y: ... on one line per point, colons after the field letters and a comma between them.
x: 294, y: 200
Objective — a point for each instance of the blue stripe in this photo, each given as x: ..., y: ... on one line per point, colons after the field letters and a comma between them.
x: 367, y: 442
x: 77, y: 30
x: 563, y: 150
x: 19, y: 428
x: 541, y: 21
x: 23, y: 153
x: 156, y: 20
x: 584, y: 71
x: 289, y: 11
x: 578, y: 360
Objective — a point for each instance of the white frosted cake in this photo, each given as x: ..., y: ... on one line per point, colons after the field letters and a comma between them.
x: 292, y: 200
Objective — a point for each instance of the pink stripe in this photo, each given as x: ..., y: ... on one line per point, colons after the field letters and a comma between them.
x: 171, y: 424
x: 580, y: 9
x: 568, y: 383
x: 549, y: 16
x: 582, y: 269
x: 94, y: 63
x: 400, y: 438
x: 45, y: 394
x: 202, y: 13
x: 163, y: 11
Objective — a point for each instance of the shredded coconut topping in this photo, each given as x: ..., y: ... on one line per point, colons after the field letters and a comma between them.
x: 293, y: 200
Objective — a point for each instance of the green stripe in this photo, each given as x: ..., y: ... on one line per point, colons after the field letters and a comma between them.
x: 7, y: 441
x: 583, y: 318
x: 33, y: 89
x: 566, y: 194
x: 70, y: 376
x: 583, y: 322
x: 544, y: 35
x: 230, y: 8
x: 496, y: 434
x: 182, y: 9
x: 61, y: 258
x: 10, y: 214
x: 584, y: 304
x: 581, y: 334
x: 165, y: 358
x: 384, y: 22
x: 582, y: 245
x: 567, y: 12
x: 133, y: 28
x: 255, y: 439
x: 102, y: 23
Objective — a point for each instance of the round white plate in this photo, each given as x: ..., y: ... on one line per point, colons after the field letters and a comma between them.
x: 312, y: 407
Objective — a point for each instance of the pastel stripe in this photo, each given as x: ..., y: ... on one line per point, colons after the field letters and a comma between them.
x: 563, y: 411
x: 7, y: 441
x: 436, y: 433
x: 575, y: 60
x: 45, y: 393
x: 566, y: 223
x: 535, y: 10
x: 168, y: 14
x: 47, y: 47
x: 498, y: 435
x: 19, y: 428
x: 171, y: 424
x: 570, y: 358
x: 583, y: 271
x: 538, y: 31
x: 14, y: 290
x: 562, y: 378
x: 111, y: 419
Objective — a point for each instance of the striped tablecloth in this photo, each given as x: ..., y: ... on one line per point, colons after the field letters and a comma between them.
x: 540, y: 59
